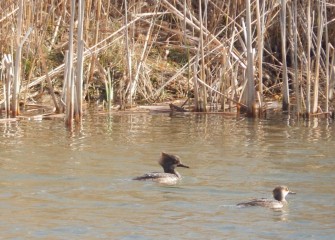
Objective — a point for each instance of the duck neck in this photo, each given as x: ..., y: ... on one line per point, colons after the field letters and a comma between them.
x: 171, y: 171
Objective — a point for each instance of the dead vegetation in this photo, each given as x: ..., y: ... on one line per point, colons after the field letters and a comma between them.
x: 221, y: 55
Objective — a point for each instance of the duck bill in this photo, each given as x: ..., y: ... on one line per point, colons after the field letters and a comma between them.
x: 292, y: 192
x: 182, y: 165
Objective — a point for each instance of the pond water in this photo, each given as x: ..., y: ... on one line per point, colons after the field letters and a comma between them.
x: 61, y: 184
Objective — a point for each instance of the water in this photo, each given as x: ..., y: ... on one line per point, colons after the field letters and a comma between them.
x: 58, y: 184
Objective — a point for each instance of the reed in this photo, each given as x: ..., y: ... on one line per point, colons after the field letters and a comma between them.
x: 250, y: 91
x: 318, y: 52
x: 17, y: 62
x: 202, y: 99
x: 327, y: 78
x: 109, y: 88
x: 295, y: 57
x: 7, y: 79
x: 286, y: 98
x: 80, y: 62
x: 128, y: 59
x: 308, y: 73
x: 260, y: 44
x: 332, y: 76
x: 69, y: 103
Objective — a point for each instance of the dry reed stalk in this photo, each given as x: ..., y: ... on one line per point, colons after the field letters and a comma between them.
x: 66, y: 85
x: 260, y: 45
x: 7, y: 79
x: 223, y: 81
x: 9, y: 14
x: 109, y: 89
x: 95, y: 38
x: 295, y: 56
x: 318, y: 52
x: 195, y: 82
x: 128, y: 53
x: 250, y: 91
x: 63, y: 99
x: 234, y: 85
x: 286, y: 98
x: 70, y: 71
x: 80, y: 62
x: 202, y: 96
x: 327, y: 60
x: 332, y: 75
x: 88, y: 5
x: 308, y: 93
x: 327, y: 74
x: 186, y: 45
x: 17, y: 64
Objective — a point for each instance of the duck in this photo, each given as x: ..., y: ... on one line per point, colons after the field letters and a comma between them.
x: 279, y: 195
x: 169, y: 162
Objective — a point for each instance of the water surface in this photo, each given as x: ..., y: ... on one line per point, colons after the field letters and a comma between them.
x: 61, y: 184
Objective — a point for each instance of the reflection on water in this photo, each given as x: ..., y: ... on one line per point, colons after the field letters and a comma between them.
x: 61, y: 184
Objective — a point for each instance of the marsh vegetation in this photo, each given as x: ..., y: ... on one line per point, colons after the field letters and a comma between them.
x: 227, y: 56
